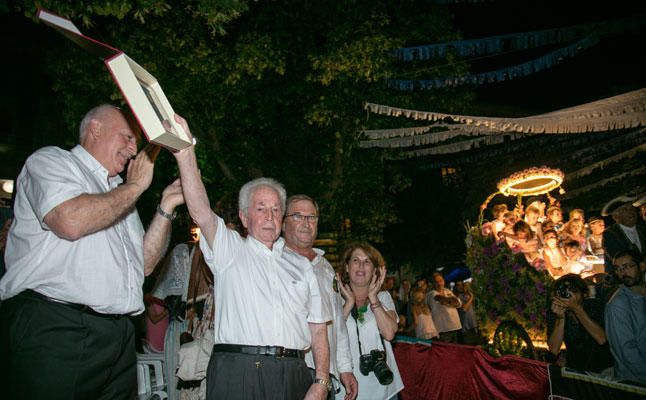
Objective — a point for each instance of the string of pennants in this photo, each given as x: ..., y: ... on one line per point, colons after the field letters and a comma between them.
x: 588, y: 35
x: 515, y: 41
x: 618, y: 112
x: 539, y: 64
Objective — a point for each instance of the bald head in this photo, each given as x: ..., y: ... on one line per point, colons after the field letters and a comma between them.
x: 110, y: 135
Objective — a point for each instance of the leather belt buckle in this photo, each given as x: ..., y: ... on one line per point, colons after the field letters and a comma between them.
x: 276, y: 351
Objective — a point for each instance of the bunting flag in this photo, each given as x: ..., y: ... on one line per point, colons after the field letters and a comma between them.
x: 604, y: 163
x: 516, y: 41
x: 574, y: 193
x: 619, y: 112
x: 494, y: 152
x: 417, y: 136
x: 516, y: 71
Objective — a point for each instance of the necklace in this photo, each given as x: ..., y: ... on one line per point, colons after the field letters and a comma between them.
x: 361, y: 311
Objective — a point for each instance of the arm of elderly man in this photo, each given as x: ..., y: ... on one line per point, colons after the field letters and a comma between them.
x: 88, y: 213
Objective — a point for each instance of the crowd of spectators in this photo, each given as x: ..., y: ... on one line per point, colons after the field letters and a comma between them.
x: 597, y: 315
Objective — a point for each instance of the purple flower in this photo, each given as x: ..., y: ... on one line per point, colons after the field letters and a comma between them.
x: 540, y: 287
x: 516, y: 267
x: 495, y: 249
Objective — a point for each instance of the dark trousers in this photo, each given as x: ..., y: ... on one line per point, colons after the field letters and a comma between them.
x: 235, y: 376
x: 450, y: 336
x: 53, y: 351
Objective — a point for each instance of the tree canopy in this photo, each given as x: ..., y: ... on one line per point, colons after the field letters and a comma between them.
x: 269, y: 89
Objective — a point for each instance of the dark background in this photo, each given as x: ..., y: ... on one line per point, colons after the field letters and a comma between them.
x: 433, y: 211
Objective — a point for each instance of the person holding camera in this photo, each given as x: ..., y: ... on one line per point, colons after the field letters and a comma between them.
x: 579, y: 322
x: 372, y: 323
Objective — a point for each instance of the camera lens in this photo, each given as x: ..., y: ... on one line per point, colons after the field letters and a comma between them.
x: 382, y: 372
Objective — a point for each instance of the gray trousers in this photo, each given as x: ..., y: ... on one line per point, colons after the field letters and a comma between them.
x: 250, y: 377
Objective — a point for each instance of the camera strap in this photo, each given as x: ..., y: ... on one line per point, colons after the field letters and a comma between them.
x: 355, y: 315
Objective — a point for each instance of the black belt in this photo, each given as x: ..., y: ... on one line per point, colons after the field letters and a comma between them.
x: 78, y: 307
x: 272, y: 351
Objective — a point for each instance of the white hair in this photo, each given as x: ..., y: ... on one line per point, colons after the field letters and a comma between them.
x: 93, y: 115
x: 249, y: 188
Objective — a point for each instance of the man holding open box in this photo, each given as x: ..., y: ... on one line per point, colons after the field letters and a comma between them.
x: 76, y: 258
x: 269, y: 307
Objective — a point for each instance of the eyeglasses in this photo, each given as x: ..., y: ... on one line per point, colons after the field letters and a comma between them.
x: 300, y: 217
x: 625, y: 266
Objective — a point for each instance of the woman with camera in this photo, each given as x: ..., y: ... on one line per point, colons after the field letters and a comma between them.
x: 579, y: 322
x: 372, y: 322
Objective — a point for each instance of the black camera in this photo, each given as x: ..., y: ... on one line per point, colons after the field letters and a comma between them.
x: 563, y: 290
x: 376, y: 362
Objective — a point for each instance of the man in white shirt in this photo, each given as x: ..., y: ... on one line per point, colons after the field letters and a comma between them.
x: 268, y: 305
x: 444, y: 308
x: 300, y: 228
x: 76, y: 258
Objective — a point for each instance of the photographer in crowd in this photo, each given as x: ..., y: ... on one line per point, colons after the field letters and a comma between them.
x: 579, y: 322
x: 372, y: 323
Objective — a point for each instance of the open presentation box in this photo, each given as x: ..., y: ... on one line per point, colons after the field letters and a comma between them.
x: 140, y: 89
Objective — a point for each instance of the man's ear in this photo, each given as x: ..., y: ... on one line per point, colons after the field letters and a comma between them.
x: 243, y: 218
x: 94, y: 129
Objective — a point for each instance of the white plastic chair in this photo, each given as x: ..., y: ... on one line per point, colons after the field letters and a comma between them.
x: 150, y: 377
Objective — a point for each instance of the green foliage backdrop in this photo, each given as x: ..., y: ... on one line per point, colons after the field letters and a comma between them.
x: 269, y: 89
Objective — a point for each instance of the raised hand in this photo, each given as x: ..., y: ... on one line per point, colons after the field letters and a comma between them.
x: 376, y: 283
x: 172, y: 196
x: 140, y: 168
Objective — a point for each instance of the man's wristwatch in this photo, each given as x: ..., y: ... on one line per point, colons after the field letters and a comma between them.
x: 325, y: 382
x: 166, y: 215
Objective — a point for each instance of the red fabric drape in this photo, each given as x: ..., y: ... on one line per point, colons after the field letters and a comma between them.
x: 451, y: 371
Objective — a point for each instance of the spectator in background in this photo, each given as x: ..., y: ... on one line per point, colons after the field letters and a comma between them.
x: 576, y: 213
x: 594, y: 242
x: 578, y: 321
x: 498, y: 223
x: 537, y: 203
x: 524, y: 240
x: 624, y: 235
x: 626, y: 318
x: 507, y: 232
x: 555, y: 215
x: 555, y: 259
x: 467, y: 313
x: 404, y: 291
x: 444, y: 308
x: 573, y: 253
x: 532, y: 215
x: 423, y: 323
x: 157, y: 321
x: 574, y: 230
x: 389, y: 283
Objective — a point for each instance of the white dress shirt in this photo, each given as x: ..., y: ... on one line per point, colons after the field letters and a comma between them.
x: 337, y: 332
x: 369, y: 386
x: 263, y: 297
x: 632, y: 235
x: 446, y: 318
x: 103, y: 270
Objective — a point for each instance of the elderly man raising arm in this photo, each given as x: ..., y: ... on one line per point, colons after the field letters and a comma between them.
x: 269, y: 308
x: 76, y: 258
x: 300, y: 228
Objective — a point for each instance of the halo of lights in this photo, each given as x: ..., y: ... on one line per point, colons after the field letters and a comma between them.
x: 532, y: 181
